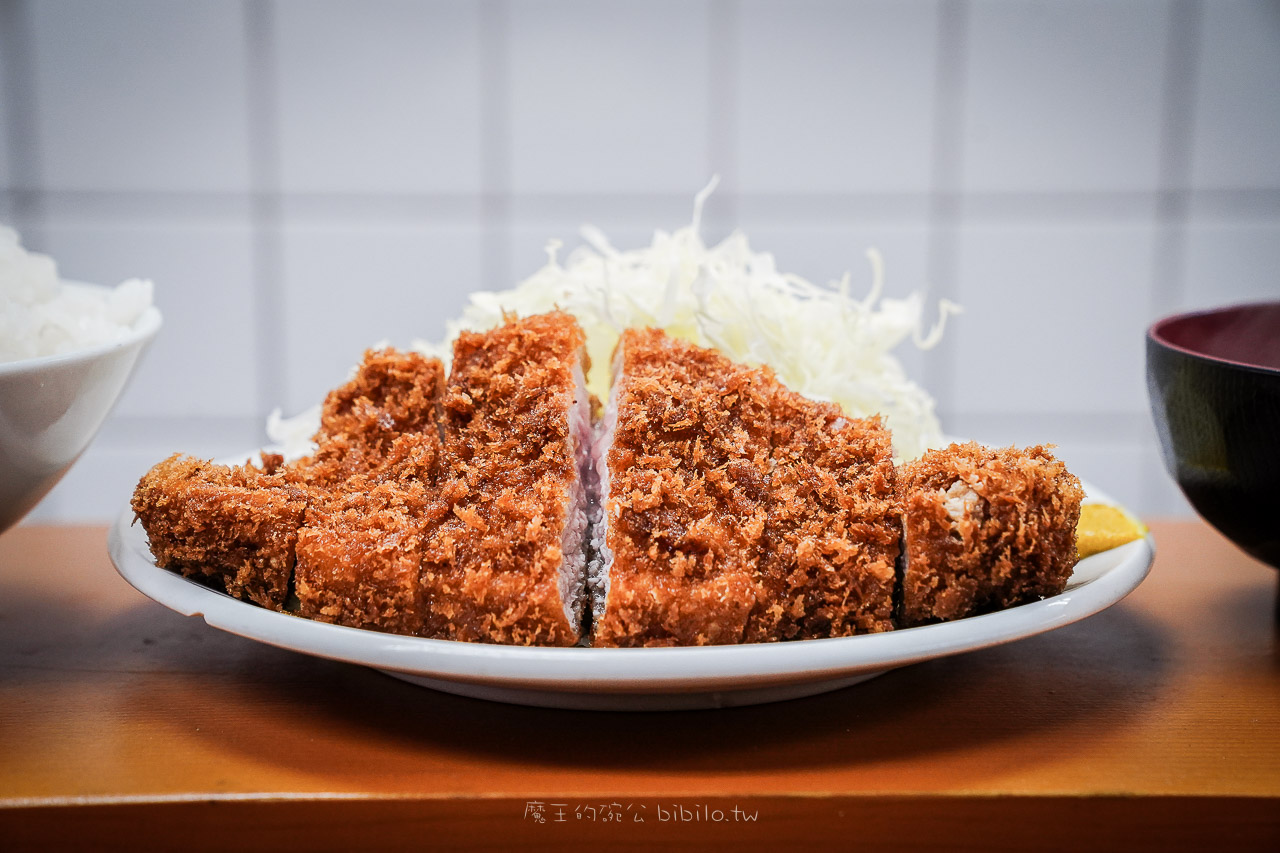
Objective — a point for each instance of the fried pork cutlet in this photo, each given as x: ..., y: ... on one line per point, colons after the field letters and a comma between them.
x: 717, y: 506
x: 234, y: 525
x: 507, y: 565
x: 392, y: 394
x: 250, y: 529
x: 984, y: 529
x: 378, y: 460
x: 833, y: 533
x: 684, y: 465
x: 360, y: 554
x: 734, y: 509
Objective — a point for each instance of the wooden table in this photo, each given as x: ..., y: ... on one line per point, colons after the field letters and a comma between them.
x: 1152, y: 726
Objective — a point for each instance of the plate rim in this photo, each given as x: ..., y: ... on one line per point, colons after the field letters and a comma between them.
x: 1110, y: 576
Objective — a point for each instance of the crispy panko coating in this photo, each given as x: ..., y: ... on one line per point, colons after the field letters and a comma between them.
x: 359, y: 557
x: 739, y: 511
x: 491, y: 569
x: 377, y: 462
x: 233, y: 525
x: 985, y: 529
x: 688, y: 495
x: 378, y: 451
x: 833, y: 533
x: 731, y: 509
x: 391, y: 395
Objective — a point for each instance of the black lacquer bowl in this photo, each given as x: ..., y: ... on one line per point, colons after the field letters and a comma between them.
x: 1214, y: 382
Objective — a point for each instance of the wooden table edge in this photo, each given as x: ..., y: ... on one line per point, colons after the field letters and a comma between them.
x: 833, y: 821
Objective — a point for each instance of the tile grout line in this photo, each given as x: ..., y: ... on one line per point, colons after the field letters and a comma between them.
x: 164, y: 432
x: 22, y: 108
x: 1178, y: 94
x: 23, y: 149
x: 950, y: 86
x: 495, y: 156
x: 265, y: 207
x: 723, y: 48
x: 1182, y: 54
x: 1054, y: 206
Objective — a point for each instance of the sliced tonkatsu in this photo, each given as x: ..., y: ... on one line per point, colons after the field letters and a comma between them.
x: 735, y: 510
x: 393, y: 397
x: 360, y: 554
x: 710, y: 505
x: 256, y: 531
x: 684, y: 465
x: 984, y: 529
x: 507, y: 564
x: 233, y: 526
x: 833, y: 531
x: 375, y: 474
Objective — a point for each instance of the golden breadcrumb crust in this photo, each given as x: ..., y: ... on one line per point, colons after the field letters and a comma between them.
x: 377, y: 461
x: 688, y: 496
x: 739, y: 511
x: 1009, y: 537
x: 392, y: 394
x: 359, y: 557
x: 491, y: 567
x: 329, y: 521
x: 386, y: 522
x: 234, y: 525
x: 833, y: 532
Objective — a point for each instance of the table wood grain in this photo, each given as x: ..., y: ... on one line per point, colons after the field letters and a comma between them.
x: 1154, y: 725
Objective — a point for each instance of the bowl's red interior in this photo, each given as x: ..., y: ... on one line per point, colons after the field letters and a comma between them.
x: 1241, y: 334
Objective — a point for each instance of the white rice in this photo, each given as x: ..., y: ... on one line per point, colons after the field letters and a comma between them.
x: 41, y: 316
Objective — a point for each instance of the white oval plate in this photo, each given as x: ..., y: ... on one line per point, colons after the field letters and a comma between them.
x: 635, y: 679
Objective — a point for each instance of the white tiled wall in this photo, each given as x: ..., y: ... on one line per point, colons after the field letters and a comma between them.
x: 378, y: 97
x: 607, y: 97
x: 6, y: 120
x: 203, y: 276
x: 1225, y: 256
x: 1063, y: 97
x: 303, y: 178
x: 340, y: 277
x: 1069, y: 342
x: 835, y: 96
x: 139, y: 95
x: 1236, y: 104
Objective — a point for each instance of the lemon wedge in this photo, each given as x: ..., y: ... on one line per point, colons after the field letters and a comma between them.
x: 1103, y: 527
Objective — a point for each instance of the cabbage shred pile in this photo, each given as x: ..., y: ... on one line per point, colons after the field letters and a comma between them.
x: 820, y: 341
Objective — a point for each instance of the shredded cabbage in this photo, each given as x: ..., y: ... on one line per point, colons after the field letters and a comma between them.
x: 820, y: 341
